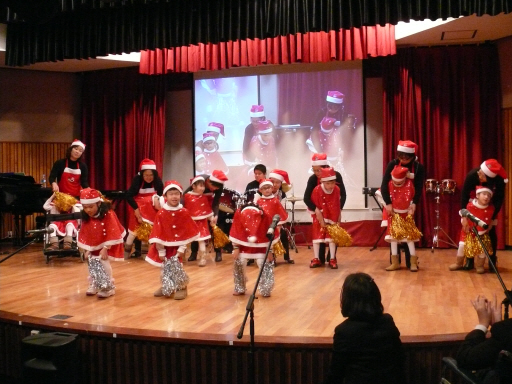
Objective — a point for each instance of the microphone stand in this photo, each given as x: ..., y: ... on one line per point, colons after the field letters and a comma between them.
x: 508, y: 294
x: 249, y: 309
x: 23, y: 247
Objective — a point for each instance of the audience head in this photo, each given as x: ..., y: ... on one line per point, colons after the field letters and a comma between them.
x: 360, y: 298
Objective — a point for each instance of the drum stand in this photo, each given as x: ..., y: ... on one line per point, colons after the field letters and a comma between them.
x: 437, y: 229
x: 291, y: 230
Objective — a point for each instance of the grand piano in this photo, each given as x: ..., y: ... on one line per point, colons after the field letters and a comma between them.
x: 20, y: 196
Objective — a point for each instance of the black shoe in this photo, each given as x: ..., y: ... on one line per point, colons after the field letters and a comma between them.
x: 470, y: 264
x: 250, y: 261
x: 290, y: 261
x: 218, y: 256
x: 192, y: 257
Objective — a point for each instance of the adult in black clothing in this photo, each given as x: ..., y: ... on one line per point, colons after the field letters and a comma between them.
x: 319, y: 161
x: 70, y: 175
x: 143, y: 198
x: 492, y: 175
x: 478, y: 352
x: 260, y: 172
x: 407, y: 152
x: 214, y: 185
x: 367, y: 346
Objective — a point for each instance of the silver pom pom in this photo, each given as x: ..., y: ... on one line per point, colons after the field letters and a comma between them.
x: 267, y: 279
x: 239, y: 275
x: 99, y: 276
x: 174, y: 276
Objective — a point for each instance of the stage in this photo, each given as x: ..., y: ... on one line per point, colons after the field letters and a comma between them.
x: 431, y: 306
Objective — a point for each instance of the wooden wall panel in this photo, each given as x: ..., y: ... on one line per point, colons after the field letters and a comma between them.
x: 125, y: 361
x: 33, y: 159
x: 507, y: 164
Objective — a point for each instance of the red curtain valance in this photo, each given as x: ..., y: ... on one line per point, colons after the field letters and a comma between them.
x: 312, y: 47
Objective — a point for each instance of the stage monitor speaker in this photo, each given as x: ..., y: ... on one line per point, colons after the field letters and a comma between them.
x: 50, y: 358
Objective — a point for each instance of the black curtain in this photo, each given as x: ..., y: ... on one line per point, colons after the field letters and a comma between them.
x: 82, y: 29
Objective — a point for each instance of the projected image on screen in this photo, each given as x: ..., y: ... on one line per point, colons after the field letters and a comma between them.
x: 280, y: 120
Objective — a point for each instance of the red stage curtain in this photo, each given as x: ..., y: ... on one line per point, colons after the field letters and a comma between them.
x: 123, y: 122
x: 447, y: 100
x: 312, y: 47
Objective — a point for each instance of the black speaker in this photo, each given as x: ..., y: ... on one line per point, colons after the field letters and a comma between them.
x: 50, y: 358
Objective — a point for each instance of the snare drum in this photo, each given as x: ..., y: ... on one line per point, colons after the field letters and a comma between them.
x: 448, y: 186
x: 430, y: 185
x: 228, y: 199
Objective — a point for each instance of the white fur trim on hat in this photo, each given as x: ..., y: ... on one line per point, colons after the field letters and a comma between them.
x: 213, y: 178
x: 90, y: 201
x: 176, y: 186
x: 485, y: 169
x: 402, y: 148
x: 265, y: 182
x: 196, y: 179
x: 483, y: 189
x: 78, y: 143
x: 276, y: 176
x: 319, y: 162
x: 328, y: 178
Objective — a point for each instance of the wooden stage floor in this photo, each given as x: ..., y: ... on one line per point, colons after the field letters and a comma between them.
x: 433, y: 304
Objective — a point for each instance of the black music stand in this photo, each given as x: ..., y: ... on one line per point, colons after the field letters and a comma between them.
x: 371, y: 192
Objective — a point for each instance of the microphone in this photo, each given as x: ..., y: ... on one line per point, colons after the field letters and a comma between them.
x: 272, y: 228
x: 44, y: 231
x: 473, y: 218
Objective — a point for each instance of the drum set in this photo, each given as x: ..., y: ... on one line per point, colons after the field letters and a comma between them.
x: 447, y: 187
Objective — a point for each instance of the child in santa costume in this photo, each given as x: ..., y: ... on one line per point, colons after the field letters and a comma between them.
x: 200, y: 208
x: 271, y: 205
x: 101, y: 236
x: 262, y: 148
x: 326, y: 197
x: 401, y: 192
x: 326, y: 140
x: 469, y: 246
x: 143, y: 198
x: 172, y: 230
x: 249, y: 237
x: 215, y: 129
x: 64, y: 228
x: 213, y: 158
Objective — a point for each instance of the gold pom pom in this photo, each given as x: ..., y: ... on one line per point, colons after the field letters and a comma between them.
x: 143, y: 231
x: 286, y: 187
x: 219, y: 238
x: 341, y: 237
x: 404, y: 229
x: 278, y: 249
x: 472, y: 246
x: 64, y: 202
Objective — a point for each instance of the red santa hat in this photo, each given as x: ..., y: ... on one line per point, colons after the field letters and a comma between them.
x: 218, y: 176
x: 319, y: 159
x: 492, y: 168
x: 257, y: 111
x: 196, y: 179
x: 335, y: 97
x: 327, y: 124
x: 481, y: 188
x: 280, y: 175
x: 78, y: 143
x: 399, y: 173
x: 407, y: 146
x: 215, y: 127
x: 327, y: 174
x: 209, y: 136
x: 147, y: 164
x: 172, y: 184
x: 89, y: 196
x: 263, y: 126
x: 264, y: 182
